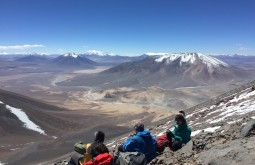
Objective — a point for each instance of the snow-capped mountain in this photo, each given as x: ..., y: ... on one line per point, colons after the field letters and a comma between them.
x: 192, y: 58
x: 109, y: 58
x: 155, y: 54
x: 74, y: 60
x: 98, y: 53
x: 175, y: 70
x: 70, y: 55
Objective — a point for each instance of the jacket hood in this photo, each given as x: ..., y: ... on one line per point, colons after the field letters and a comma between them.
x: 145, y: 133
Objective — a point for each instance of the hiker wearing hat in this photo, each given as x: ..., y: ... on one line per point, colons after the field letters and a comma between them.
x: 142, y: 141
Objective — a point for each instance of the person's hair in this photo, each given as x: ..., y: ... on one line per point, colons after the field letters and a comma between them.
x: 180, y: 117
x: 182, y: 112
x: 139, y: 126
x: 99, y: 136
x: 169, y: 135
x: 97, y: 149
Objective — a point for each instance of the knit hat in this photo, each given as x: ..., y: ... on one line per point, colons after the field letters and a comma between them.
x: 180, y: 117
x: 99, y: 136
x: 139, y: 126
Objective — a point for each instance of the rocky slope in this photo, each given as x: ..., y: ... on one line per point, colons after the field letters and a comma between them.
x: 223, y: 132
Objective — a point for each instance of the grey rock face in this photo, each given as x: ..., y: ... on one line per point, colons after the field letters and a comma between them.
x: 248, y: 129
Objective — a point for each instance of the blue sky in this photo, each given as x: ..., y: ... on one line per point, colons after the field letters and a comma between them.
x: 128, y: 27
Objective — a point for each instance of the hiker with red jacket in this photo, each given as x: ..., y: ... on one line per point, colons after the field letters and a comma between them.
x: 176, y: 139
x: 90, y: 151
x: 142, y: 141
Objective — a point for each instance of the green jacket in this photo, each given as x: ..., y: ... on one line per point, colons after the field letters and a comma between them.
x: 182, y: 133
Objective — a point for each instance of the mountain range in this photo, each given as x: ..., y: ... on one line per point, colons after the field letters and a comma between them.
x: 169, y: 71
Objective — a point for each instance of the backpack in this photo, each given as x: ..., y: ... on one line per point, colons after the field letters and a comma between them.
x: 102, y: 159
x: 162, y: 142
x: 87, y: 157
x: 129, y: 158
x: 80, y: 148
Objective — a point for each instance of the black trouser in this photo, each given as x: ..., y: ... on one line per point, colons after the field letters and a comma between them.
x: 176, y: 145
x: 74, y: 160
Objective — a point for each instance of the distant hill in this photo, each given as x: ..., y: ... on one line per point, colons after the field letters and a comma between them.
x: 74, y: 60
x: 34, y: 58
x: 109, y: 59
x: 241, y: 61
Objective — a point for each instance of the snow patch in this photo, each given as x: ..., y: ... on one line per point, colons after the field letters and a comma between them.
x: 239, y: 109
x: 212, y: 129
x: 14, y: 149
x: 1, y: 102
x: 24, y: 118
x: 242, y: 96
x: 253, y: 117
x: 111, y: 143
x: 194, y: 133
x: 232, y: 122
x: 160, y: 134
x: 71, y: 55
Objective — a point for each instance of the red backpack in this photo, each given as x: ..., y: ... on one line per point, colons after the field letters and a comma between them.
x: 102, y: 159
x: 162, y: 142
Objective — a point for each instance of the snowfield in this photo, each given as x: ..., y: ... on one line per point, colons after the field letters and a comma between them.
x: 239, y: 105
x: 24, y: 118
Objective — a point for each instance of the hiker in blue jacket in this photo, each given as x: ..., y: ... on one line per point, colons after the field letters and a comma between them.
x: 142, y: 141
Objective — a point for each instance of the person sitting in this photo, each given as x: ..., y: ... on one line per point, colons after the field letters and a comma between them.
x: 86, y: 150
x: 142, y: 141
x: 100, y: 155
x: 181, y: 132
x: 176, y: 139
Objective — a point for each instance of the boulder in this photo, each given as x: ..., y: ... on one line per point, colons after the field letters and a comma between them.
x: 248, y: 129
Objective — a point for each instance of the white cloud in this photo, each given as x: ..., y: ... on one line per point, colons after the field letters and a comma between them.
x: 242, y: 48
x: 19, y: 47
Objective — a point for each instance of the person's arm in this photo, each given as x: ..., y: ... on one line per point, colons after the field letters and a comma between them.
x: 154, y: 141
x: 128, y: 146
x: 187, y: 135
x: 177, y: 138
